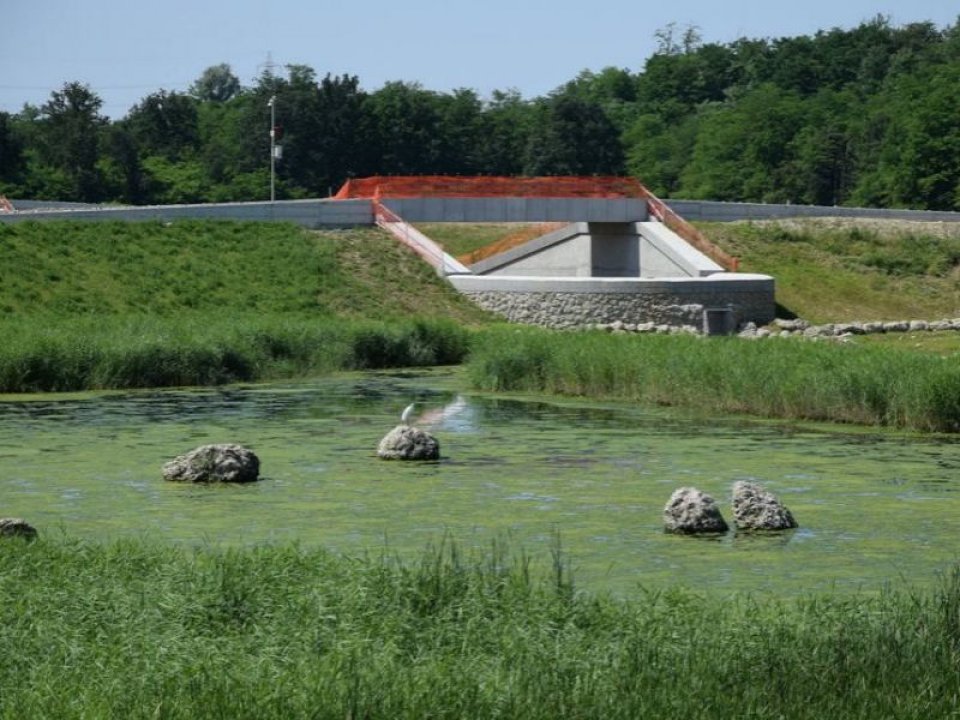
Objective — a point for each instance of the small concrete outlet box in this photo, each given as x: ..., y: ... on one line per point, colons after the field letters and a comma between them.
x: 719, y: 321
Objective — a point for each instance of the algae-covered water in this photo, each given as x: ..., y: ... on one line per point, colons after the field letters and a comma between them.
x: 873, y: 507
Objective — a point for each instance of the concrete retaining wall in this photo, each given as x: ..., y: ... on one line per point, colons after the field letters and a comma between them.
x: 727, y: 211
x: 308, y: 213
x: 577, y: 302
x: 518, y: 209
x: 351, y: 213
x: 602, y: 249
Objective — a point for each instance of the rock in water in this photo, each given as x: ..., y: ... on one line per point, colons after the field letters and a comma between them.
x: 691, y: 511
x: 214, y: 463
x: 757, y: 509
x: 17, y: 527
x: 408, y: 443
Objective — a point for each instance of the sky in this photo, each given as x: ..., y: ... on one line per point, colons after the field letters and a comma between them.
x: 127, y: 49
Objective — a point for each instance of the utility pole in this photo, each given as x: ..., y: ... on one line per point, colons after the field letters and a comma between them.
x: 273, y: 145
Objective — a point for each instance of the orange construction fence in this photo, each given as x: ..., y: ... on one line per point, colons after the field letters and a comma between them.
x: 385, y: 187
x: 413, y: 186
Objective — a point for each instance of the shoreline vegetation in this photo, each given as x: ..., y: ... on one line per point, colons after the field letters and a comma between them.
x: 115, y: 305
x: 790, y: 379
x: 136, y: 628
x: 100, y: 353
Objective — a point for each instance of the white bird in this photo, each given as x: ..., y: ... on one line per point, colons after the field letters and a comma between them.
x: 407, y: 414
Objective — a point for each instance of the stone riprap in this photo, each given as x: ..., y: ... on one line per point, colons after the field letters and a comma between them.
x: 226, y: 462
x: 844, y: 331
x: 408, y: 443
x: 755, y: 508
x: 691, y: 511
x: 17, y: 527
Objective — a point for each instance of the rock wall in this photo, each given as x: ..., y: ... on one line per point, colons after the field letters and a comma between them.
x: 573, y: 309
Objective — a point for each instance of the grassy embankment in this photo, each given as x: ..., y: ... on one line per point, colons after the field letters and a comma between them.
x: 136, y: 629
x: 89, y: 305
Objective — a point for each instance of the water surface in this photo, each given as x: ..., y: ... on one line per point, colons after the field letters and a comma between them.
x: 873, y: 507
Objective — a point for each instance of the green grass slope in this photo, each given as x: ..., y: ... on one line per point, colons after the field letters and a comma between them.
x: 844, y: 270
x: 65, y: 269
x: 113, y: 305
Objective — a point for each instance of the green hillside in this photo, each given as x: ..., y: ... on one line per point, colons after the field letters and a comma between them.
x: 846, y: 270
x: 113, y: 305
x: 64, y: 269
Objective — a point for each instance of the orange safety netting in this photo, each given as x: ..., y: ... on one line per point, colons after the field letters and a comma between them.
x: 484, y: 187
x: 385, y: 187
x: 510, y: 241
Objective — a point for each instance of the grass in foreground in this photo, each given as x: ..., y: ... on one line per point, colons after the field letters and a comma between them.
x: 798, y: 379
x: 138, y: 629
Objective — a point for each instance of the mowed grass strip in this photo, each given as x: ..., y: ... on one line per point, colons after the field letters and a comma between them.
x: 64, y: 269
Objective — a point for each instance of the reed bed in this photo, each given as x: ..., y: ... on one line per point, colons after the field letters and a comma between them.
x: 209, y: 349
x: 776, y: 378
x: 142, y: 629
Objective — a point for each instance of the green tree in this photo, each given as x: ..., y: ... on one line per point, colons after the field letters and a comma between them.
x: 919, y: 161
x: 70, y: 124
x: 573, y: 137
x: 122, y: 166
x: 506, y: 124
x: 658, y: 150
x: 742, y: 149
x: 165, y: 124
x: 216, y: 84
x: 12, y: 161
x: 405, y: 128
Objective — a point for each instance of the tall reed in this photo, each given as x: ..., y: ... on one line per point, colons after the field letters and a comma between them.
x: 774, y: 378
x: 208, y: 349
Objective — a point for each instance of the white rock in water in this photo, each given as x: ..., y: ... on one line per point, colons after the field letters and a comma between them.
x: 214, y: 463
x: 757, y: 509
x: 408, y: 443
x: 691, y: 511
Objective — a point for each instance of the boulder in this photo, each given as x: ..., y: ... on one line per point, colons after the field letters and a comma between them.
x: 691, y: 511
x: 408, y: 443
x: 214, y: 463
x: 17, y: 527
x: 757, y: 509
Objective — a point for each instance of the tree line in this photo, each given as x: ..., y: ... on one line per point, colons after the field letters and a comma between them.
x: 864, y: 116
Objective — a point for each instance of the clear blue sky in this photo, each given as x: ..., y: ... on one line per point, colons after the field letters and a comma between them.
x: 126, y: 49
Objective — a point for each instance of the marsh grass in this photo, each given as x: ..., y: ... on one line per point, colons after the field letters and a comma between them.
x: 775, y: 378
x: 139, y: 629
x: 211, y: 348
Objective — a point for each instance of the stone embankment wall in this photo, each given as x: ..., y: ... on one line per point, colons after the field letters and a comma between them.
x: 568, y: 303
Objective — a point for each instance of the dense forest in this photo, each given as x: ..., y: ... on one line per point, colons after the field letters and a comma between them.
x: 866, y: 116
